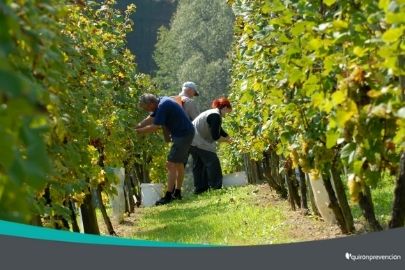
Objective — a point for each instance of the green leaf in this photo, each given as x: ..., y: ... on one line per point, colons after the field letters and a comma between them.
x: 311, y: 85
x: 357, y: 166
x: 36, y: 165
x: 266, y: 8
x: 372, y: 178
x: 10, y: 84
x: 298, y: 28
x: 279, y: 149
x: 6, y: 146
x: 295, y: 75
x: 16, y: 172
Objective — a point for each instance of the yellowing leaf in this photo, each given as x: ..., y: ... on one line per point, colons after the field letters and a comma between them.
x: 317, y: 99
x: 385, y: 52
x: 338, y: 97
x: 374, y: 93
x: 392, y: 34
x: 329, y: 2
x: 344, y: 115
x: 327, y: 105
x: 250, y: 44
x: 328, y: 65
x: 353, y: 108
x: 383, y: 4
x: 393, y: 18
x: 331, y: 138
x: 359, y: 51
x: 332, y: 123
x: 315, y: 43
x: 340, y: 24
x: 257, y: 86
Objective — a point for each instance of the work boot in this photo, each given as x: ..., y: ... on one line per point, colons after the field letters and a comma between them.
x: 177, y: 194
x: 166, y: 199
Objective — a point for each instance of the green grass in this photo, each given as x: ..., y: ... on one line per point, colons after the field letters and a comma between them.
x: 235, y: 216
x: 383, y: 196
x: 222, y: 217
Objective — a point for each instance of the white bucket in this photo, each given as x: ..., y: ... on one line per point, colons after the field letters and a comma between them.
x: 235, y: 179
x: 150, y: 193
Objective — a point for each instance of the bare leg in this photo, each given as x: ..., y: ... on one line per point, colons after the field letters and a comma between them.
x: 180, y: 175
x: 171, y: 175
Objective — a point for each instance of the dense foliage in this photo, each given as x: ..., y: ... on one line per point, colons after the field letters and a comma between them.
x: 318, y: 84
x: 319, y: 81
x: 68, y: 95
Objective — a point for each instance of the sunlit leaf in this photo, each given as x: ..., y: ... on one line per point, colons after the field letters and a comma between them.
x: 331, y: 138
x: 338, y: 97
x: 329, y: 2
x: 393, y: 34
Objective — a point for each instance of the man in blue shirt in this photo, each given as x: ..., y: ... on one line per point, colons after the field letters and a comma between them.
x: 166, y: 113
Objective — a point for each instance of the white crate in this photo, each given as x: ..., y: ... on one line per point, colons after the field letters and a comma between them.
x: 235, y: 179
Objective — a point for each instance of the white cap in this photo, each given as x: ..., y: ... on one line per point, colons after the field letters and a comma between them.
x: 192, y: 86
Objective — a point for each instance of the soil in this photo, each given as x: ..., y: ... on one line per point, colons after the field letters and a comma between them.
x: 303, y: 225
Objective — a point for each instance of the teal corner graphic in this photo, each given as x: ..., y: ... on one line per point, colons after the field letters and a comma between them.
x: 34, y: 232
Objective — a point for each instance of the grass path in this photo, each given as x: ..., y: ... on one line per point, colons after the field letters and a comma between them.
x: 250, y: 215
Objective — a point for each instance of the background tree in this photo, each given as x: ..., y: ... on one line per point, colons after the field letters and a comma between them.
x: 195, y: 48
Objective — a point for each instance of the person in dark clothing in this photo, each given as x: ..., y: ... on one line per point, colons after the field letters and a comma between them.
x: 165, y: 112
x: 207, y: 171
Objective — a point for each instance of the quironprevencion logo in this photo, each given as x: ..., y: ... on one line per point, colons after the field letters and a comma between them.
x: 372, y: 257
